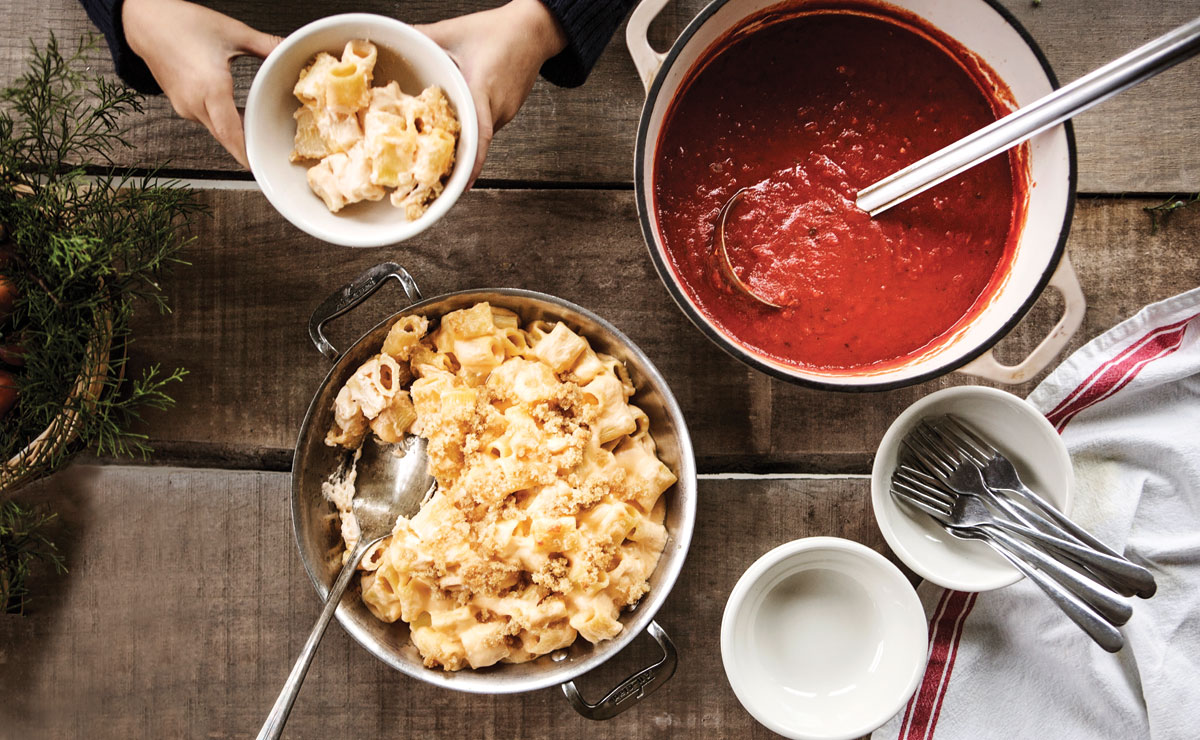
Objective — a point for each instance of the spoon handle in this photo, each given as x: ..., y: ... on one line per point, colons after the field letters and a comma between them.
x: 1145, y: 61
x: 273, y: 727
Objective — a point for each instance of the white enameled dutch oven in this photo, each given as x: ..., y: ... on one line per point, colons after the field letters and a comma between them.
x: 987, y: 30
x: 316, y: 531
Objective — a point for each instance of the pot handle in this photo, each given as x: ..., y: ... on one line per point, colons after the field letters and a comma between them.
x: 633, y: 689
x: 1066, y: 282
x: 637, y: 31
x: 353, y: 293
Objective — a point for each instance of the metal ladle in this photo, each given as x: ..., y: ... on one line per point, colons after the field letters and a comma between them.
x: 392, y: 480
x: 1142, y: 63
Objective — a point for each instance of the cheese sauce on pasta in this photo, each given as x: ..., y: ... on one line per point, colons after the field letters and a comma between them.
x: 548, y: 517
x: 369, y: 139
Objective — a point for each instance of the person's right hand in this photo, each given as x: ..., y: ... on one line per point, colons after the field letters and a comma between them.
x: 499, y: 52
x: 188, y: 49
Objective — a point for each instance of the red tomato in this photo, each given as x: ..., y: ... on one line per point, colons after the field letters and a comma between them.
x: 8, y: 392
x: 8, y: 296
x: 12, y: 354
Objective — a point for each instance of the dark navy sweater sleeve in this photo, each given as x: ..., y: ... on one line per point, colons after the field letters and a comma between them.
x: 588, y: 24
x: 106, y: 14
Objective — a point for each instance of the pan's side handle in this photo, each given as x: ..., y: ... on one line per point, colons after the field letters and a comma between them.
x: 633, y: 689
x: 645, y: 58
x: 353, y: 293
x: 1065, y: 281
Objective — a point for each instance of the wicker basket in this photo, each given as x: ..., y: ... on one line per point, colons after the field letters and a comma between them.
x: 34, y: 460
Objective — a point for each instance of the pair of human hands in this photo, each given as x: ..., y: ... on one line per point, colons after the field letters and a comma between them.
x: 189, y: 48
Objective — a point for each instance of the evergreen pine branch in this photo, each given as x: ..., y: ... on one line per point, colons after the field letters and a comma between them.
x: 22, y: 543
x: 87, y: 252
x: 1159, y: 214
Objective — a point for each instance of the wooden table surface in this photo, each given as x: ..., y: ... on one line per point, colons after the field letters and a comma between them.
x: 186, y: 603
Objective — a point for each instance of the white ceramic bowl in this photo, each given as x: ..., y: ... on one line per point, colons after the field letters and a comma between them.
x: 823, y: 638
x: 405, y: 55
x: 1018, y: 430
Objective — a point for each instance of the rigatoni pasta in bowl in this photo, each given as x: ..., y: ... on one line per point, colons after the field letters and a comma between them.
x: 360, y: 130
x: 566, y: 491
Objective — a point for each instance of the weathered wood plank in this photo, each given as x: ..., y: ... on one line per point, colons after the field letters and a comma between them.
x: 241, y: 307
x: 1142, y: 141
x: 186, y: 604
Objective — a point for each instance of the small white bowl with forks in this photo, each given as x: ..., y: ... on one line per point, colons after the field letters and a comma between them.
x: 1016, y: 429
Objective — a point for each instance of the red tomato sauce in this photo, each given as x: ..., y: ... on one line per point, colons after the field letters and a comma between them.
x: 804, y: 112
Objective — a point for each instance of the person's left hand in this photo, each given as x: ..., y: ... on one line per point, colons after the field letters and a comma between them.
x: 499, y: 52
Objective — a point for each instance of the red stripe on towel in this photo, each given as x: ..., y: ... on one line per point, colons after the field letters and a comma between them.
x: 1112, y: 361
x: 1119, y: 371
x: 933, y: 622
x: 1119, y: 376
x: 926, y: 704
x: 937, y: 710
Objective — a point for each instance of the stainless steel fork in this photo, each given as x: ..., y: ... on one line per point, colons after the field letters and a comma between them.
x: 944, y: 461
x: 1077, y: 610
x: 959, y: 470
x: 966, y: 513
x: 1001, y: 476
x: 974, y: 507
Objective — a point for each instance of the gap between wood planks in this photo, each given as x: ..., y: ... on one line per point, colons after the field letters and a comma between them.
x: 233, y: 465
x: 279, y: 460
x: 224, y: 180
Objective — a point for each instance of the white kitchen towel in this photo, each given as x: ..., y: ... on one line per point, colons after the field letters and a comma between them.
x: 1007, y: 663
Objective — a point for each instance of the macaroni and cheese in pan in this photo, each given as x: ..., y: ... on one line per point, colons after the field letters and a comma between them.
x: 368, y: 139
x: 548, y: 515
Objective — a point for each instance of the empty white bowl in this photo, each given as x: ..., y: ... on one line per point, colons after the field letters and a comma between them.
x: 823, y: 638
x: 405, y: 55
x: 1014, y: 427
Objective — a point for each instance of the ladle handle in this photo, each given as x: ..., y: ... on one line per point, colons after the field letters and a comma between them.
x: 353, y: 293
x: 1146, y: 61
x: 273, y: 727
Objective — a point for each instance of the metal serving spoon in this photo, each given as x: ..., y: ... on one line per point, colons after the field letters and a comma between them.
x: 392, y: 480
x: 1142, y: 63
